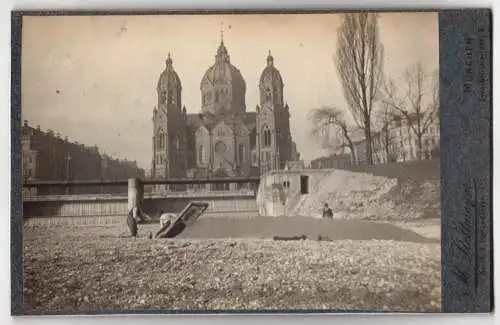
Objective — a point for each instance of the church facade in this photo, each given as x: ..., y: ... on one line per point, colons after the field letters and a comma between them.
x: 223, y: 138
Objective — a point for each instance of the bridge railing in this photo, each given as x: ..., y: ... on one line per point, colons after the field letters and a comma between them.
x: 233, y: 196
x: 151, y: 188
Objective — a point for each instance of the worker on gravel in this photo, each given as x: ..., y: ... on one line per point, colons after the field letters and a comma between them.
x: 166, y: 218
x: 136, y: 217
x: 139, y: 215
x: 327, y: 212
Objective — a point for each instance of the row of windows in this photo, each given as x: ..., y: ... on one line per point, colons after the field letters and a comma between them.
x: 28, y: 173
x: 425, y: 142
x: 207, y: 97
x: 266, y: 136
x: 202, y: 155
x: 161, y: 141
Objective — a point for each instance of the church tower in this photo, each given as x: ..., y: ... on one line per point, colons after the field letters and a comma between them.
x: 222, y: 87
x: 274, y: 141
x: 169, y: 120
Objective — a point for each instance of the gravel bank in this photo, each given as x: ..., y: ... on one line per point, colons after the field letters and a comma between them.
x: 83, y: 268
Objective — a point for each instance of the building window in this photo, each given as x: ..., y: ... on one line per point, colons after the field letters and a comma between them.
x: 241, y: 153
x: 254, y: 158
x: 266, y: 137
x: 201, y: 155
x: 161, y: 140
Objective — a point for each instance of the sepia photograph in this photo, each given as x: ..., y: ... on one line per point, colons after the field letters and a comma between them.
x: 231, y: 163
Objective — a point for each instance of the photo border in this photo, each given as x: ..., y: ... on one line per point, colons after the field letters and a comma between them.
x: 465, y: 74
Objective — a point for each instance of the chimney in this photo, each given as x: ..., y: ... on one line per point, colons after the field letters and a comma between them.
x: 25, y: 123
x: 58, y: 135
x: 66, y: 138
x: 38, y: 127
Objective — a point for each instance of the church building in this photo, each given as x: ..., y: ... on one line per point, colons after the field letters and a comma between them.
x: 223, y: 138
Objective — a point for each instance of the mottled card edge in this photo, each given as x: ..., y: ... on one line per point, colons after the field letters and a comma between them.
x: 465, y: 23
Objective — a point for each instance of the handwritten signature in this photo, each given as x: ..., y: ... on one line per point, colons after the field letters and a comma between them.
x: 470, y: 235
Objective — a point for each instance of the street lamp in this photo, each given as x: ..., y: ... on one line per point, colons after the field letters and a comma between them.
x: 68, y: 161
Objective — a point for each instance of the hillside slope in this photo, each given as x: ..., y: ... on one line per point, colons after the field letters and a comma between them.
x: 352, y: 195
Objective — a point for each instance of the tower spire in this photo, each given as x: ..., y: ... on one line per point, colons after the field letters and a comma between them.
x: 222, y: 54
x: 222, y: 32
x: 169, y: 60
x: 270, y: 59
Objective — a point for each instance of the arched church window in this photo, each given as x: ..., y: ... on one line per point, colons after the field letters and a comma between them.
x: 241, y: 152
x: 201, y: 155
x: 267, y: 93
x: 158, y: 140
x: 266, y: 137
x: 176, y: 143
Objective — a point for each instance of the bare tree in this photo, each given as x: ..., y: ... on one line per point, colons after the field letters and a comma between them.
x: 359, y: 62
x: 386, y: 118
x: 416, y: 100
x: 328, y: 121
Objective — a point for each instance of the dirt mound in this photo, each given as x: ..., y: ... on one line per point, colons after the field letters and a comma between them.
x: 413, y: 200
x: 268, y: 227
x: 353, y: 195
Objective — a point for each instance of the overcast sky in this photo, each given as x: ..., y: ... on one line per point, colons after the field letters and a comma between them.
x: 93, y: 79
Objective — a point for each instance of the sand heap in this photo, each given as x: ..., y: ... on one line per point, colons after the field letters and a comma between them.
x: 356, y: 195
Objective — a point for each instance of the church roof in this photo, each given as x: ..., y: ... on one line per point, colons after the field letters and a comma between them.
x: 223, y: 70
x: 271, y: 72
x: 168, y: 76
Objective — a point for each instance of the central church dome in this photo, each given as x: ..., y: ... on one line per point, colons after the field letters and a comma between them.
x: 223, y: 88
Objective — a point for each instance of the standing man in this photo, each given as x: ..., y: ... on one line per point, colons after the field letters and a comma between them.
x: 327, y: 212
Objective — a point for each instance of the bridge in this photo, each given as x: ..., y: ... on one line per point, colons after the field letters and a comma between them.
x: 238, y: 201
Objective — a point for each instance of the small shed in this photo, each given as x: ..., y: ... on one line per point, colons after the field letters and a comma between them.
x: 281, y: 192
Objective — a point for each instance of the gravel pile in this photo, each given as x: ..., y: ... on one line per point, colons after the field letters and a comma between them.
x: 69, y: 269
x: 269, y: 227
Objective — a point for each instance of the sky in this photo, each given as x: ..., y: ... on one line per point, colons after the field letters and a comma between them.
x: 93, y: 78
